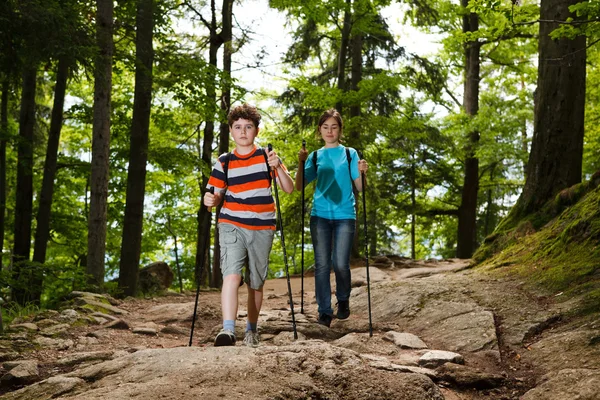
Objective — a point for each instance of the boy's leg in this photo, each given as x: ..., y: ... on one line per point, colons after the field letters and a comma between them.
x: 255, y: 298
x: 321, y: 231
x: 259, y: 246
x: 343, y: 236
x: 229, y: 296
x: 233, y: 257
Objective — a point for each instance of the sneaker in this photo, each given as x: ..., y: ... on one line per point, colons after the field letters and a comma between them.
x: 252, y: 339
x: 225, y: 338
x: 325, y: 319
x: 343, y: 311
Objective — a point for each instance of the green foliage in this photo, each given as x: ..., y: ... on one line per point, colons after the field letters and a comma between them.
x: 559, y: 255
x: 12, y: 311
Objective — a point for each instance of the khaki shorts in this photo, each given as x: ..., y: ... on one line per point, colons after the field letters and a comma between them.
x: 245, y: 247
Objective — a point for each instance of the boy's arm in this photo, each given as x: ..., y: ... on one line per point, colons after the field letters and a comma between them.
x: 284, y: 179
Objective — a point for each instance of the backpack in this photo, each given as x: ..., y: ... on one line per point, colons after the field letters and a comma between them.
x: 348, y: 158
x: 226, y: 167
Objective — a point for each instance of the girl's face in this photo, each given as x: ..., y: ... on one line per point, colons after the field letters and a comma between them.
x: 330, y: 132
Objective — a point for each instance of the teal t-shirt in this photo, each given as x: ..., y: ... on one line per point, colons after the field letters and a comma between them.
x: 333, y: 197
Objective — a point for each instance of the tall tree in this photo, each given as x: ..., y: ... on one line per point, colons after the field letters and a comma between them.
x: 131, y: 243
x: 3, y: 139
x: 42, y: 232
x: 23, y: 292
x: 555, y: 161
x: 100, y: 142
x: 467, y: 214
x: 216, y: 40
x: 227, y: 35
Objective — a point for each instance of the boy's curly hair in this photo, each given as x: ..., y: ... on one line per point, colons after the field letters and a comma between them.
x: 245, y: 111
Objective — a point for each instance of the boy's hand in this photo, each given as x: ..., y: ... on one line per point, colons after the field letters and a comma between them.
x: 363, y: 166
x: 302, y: 155
x: 273, y: 159
x: 210, y: 199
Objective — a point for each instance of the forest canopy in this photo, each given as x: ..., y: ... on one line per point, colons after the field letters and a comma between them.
x: 112, y: 115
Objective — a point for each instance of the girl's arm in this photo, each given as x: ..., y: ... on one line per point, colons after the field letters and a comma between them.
x: 302, y: 156
x: 362, y: 168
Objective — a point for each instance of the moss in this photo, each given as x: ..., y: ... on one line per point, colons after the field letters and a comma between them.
x: 556, y: 249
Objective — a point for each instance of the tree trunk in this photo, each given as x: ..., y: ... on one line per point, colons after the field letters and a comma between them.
x: 413, y: 218
x: 467, y: 214
x: 356, y: 47
x: 42, y: 232
x: 3, y: 140
x: 489, y: 212
x: 25, y: 291
x: 100, y: 143
x: 227, y: 33
x: 344, y: 41
x: 555, y: 160
x: 209, y: 131
x: 131, y: 243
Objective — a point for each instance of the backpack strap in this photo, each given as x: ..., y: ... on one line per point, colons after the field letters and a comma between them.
x: 268, y: 167
x: 349, y: 158
x: 314, y: 161
x: 226, y: 167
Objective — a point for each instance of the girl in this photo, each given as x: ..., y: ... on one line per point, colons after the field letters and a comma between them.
x: 337, y: 170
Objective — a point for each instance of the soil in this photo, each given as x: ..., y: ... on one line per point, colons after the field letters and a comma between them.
x: 310, y: 360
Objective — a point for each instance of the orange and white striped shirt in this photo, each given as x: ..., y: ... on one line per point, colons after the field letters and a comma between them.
x: 248, y: 198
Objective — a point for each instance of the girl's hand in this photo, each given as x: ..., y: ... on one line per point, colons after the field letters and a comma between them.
x: 363, y: 166
x: 302, y: 155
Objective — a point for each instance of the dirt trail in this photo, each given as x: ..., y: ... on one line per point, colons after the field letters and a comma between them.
x: 417, y: 307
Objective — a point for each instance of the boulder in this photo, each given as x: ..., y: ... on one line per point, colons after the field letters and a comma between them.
x: 155, y: 277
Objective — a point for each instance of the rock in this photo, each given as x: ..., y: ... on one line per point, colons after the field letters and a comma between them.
x: 118, y: 324
x: 25, y: 326
x: 78, y: 358
x: 23, y: 373
x: 155, y: 277
x: 579, y: 383
x: 91, y: 304
x: 45, y: 323
x: 435, y: 358
x: 55, y: 330
x: 405, y: 340
x: 359, y: 276
x: 69, y: 315
x: 284, y: 338
x: 175, y: 330
x: 467, y: 377
x: 145, y: 331
x: 8, y: 355
x: 58, y: 344
x: 46, y: 314
x: 50, y: 388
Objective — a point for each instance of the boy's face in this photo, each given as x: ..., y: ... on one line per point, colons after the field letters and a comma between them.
x: 243, y: 132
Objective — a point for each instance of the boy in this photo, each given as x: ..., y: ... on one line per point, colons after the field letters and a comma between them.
x: 247, y: 219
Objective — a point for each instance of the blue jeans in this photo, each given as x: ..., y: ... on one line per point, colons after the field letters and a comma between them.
x: 332, y: 241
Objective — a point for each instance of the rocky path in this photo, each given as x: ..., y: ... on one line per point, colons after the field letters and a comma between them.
x: 441, y: 331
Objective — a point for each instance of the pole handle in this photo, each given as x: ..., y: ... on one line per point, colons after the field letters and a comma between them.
x: 211, y: 191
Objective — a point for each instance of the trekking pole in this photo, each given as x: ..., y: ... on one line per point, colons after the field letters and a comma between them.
x: 364, y: 201
x: 287, y: 271
x: 206, y: 243
x: 303, y: 212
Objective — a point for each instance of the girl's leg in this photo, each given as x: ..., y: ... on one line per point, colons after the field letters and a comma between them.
x: 343, y: 237
x: 320, y: 230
